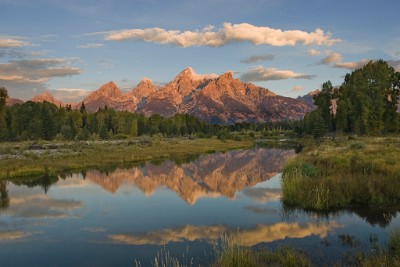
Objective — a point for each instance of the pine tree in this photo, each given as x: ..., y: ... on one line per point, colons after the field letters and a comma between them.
x: 3, y: 123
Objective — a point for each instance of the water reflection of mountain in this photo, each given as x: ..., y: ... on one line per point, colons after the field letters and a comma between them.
x: 209, y: 175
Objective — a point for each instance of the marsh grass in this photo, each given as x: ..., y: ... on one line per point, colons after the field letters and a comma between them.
x: 64, y: 157
x: 228, y: 252
x: 344, y: 174
x: 389, y: 256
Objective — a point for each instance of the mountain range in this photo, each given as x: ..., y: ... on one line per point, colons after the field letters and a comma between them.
x: 216, y: 99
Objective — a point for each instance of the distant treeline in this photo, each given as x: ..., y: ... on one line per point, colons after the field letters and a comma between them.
x: 46, y: 121
x: 366, y: 103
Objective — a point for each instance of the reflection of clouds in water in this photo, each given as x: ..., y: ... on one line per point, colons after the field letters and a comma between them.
x: 248, y: 237
x: 12, y: 235
x: 261, y: 210
x: 74, y: 181
x: 33, y: 203
x: 94, y: 229
x: 262, y: 195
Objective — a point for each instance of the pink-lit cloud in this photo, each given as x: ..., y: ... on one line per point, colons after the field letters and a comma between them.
x: 12, y: 42
x: 313, y: 52
x: 228, y: 33
x: 297, y: 88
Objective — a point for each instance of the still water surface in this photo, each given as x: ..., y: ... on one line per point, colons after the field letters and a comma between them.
x: 114, y: 217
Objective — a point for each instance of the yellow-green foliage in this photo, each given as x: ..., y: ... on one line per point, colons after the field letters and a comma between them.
x: 344, y: 173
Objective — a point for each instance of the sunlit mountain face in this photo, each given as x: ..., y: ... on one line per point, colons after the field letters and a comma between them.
x: 216, y: 99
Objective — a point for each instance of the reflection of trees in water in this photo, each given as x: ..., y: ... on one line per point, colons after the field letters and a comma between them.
x: 5, y: 199
x: 381, y: 216
x: 378, y: 216
x: 44, y: 181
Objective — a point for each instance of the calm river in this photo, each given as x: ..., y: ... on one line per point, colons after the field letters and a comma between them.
x: 114, y: 217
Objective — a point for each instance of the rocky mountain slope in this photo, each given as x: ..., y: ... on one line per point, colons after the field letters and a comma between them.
x: 46, y: 96
x: 216, y: 99
x: 12, y: 101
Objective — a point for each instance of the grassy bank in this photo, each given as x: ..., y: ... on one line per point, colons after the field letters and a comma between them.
x: 229, y: 254
x: 343, y: 173
x: 39, y: 158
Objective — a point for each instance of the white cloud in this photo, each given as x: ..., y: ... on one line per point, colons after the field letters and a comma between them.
x: 261, y: 73
x: 297, y: 88
x: 85, y: 46
x: 11, y: 42
x: 313, y: 52
x: 227, y: 34
x: 257, y: 58
x: 70, y: 95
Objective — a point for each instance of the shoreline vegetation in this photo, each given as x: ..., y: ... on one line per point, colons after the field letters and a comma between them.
x: 228, y: 252
x: 29, y: 159
x: 344, y: 172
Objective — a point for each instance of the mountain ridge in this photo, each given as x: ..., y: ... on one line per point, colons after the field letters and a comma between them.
x: 214, y: 98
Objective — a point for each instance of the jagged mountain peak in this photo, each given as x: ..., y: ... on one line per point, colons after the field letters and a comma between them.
x: 218, y: 99
x: 226, y: 76
x: 144, y: 88
x: 46, y: 96
x: 109, y: 88
x: 190, y: 73
x: 145, y: 80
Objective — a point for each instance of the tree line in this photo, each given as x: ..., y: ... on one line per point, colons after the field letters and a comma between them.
x: 366, y: 103
x: 46, y: 121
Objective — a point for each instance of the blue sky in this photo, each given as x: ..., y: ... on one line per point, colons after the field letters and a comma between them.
x: 288, y: 46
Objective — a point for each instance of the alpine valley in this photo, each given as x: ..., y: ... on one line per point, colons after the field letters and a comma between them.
x: 215, y: 99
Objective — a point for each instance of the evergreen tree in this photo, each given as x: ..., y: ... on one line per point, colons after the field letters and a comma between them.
x: 368, y: 99
x: 323, y: 101
x: 3, y: 123
x: 134, y: 128
x: 47, y: 117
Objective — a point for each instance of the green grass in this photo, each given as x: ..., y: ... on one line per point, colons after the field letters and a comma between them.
x: 229, y: 253
x: 17, y: 160
x: 344, y: 173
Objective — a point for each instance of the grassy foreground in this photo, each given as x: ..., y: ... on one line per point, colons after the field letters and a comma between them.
x: 344, y: 173
x: 230, y: 254
x: 32, y: 159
